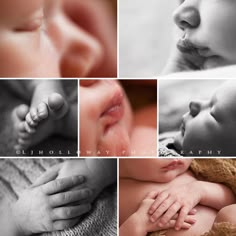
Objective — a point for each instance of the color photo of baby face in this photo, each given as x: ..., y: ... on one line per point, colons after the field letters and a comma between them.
x: 105, y: 119
x: 115, y: 120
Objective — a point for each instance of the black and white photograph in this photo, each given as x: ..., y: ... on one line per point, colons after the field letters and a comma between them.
x: 39, y: 117
x: 179, y: 37
x: 197, y: 117
x: 58, y: 197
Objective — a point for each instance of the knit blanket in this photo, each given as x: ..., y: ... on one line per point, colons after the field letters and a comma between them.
x: 18, y: 174
x: 166, y: 141
x: 219, y: 171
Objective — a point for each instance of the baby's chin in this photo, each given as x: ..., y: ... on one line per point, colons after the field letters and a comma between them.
x: 115, y: 142
x: 178, y: 141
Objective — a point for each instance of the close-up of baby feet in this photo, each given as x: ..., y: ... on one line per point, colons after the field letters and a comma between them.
x: 37, y: 123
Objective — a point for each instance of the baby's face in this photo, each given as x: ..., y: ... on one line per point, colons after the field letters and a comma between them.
x: 105, y: 119
x: 210, y: 125
x: 208, y: 29
x: 38, y: 39
x: 157, y: 170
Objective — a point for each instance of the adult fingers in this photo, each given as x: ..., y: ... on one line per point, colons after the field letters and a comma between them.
x: 47, y: 176
x: 69, y: 212
x: 65, y: 198
x: 60, y: 185
x: 169, y: 214
x: 161, y: 197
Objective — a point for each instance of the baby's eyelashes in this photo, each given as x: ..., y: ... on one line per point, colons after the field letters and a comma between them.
x: 30, y: 26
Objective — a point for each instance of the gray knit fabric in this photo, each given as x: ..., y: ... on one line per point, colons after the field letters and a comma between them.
x: 165, y: 140
x: 17, y: 174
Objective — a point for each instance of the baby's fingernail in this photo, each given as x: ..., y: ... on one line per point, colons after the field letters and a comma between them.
x: 160, y: 224
x: 177, y: 228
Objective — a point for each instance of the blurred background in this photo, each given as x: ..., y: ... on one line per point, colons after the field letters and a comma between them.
x: 145, y: 36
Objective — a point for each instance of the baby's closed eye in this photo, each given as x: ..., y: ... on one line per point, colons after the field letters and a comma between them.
x: 30, y: 26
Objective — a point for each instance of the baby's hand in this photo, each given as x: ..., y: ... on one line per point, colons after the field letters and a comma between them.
x: 179, y: 199
x: 44, y: 208
x: 155, y: 226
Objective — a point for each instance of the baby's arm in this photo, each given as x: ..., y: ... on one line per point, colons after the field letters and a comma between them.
x: 185, y: 197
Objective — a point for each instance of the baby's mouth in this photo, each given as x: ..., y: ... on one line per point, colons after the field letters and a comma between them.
x: 186, y: 46
x: 114, y: 110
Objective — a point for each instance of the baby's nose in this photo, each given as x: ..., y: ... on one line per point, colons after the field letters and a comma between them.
x: 186, y: 16
x: 195, y: 108
x: 79, y: 52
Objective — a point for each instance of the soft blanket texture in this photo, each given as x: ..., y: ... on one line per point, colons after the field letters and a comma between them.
x: 219, y: 171
x: 17, y: 174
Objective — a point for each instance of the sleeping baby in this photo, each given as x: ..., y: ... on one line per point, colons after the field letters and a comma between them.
x: 209, y: 128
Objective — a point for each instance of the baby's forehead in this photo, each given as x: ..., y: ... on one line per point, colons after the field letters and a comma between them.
x: 225, y: 96
x: 13, y: 8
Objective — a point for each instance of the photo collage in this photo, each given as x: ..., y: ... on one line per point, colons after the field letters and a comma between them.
x: 118, y: 118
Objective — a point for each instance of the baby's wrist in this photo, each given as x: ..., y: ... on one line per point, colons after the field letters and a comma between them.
x: 139, y: 227
x: 8, y: 222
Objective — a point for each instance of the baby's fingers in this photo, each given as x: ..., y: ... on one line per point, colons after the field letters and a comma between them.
x: 182, y: 216
x: 169, y: 214
x: 65, y: 198
x: 64, y: 224
x: 171, y: 225
x: 69, y: 212
x: 162, y: 197
x: 63, y: 184
x: 164, y: 206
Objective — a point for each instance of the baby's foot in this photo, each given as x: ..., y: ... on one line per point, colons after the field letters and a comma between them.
x: 18, y: 118
x: 43, y: 120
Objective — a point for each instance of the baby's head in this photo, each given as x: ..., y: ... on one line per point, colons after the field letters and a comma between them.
x: 208, y: 29
x: 156, y: 170
x: 40, y: 39
x: 209, y: 128
x: 105, y: 119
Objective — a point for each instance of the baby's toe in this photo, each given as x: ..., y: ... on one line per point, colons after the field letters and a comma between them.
x: 24, y: 143
x: 24, y: 135
x: 30, y: 121
x: 42, y: 111
x: 29, y: 129
x: 34, y: 114
x: 55, y: 101
x: 21, y: 111
x: 20, y: 127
